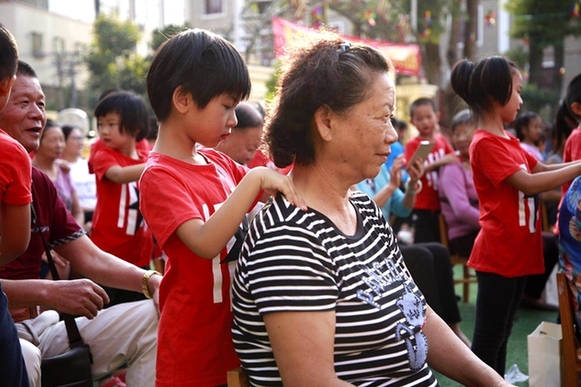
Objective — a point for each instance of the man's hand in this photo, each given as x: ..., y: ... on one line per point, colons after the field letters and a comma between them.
x: 153, y: 284
x: 80, y: 297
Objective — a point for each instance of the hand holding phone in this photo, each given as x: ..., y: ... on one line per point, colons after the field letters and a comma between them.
x: 422, y: 152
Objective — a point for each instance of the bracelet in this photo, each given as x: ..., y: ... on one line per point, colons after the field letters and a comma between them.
x: 408, y: 189
x: 144, y: 279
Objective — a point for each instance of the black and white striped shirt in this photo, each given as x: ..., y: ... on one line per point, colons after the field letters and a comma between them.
x: 299, y: 261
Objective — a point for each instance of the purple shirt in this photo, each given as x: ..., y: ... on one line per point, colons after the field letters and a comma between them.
x: 65, y: 187
x: 458, y: 200
x: 533, y: 150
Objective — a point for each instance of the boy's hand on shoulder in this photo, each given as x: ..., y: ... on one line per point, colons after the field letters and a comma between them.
x: 272, y: 181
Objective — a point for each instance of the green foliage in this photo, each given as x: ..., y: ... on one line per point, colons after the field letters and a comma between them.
x: 386, y: 22
x: 160, y: 36
x: 548, y: 22
x: 132, y: 73
x: 544, y: 24
x: 518, y: 55
x: 542, y: 101
x: 271, y: 83
x: 112, y: 60
x: 115, y: 37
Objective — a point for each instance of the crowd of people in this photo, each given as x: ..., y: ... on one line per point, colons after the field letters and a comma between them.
x: 280, y: 228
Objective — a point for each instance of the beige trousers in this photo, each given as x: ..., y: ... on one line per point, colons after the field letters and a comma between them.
x: 123, y: 334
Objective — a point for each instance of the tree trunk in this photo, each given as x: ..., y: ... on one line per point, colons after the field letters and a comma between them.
x: 452, y: 53
x: 432, y: 63
x: 470, y: 29
x: 535, y: 62
x: 559, y: 53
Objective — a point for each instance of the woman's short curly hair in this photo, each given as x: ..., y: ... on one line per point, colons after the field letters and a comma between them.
x: 324, y: 70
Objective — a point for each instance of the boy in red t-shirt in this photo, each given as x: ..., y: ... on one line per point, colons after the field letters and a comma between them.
x: 424, y: 116
x: 15, y: 199
x: 118, y: 226
x: 194, y: 199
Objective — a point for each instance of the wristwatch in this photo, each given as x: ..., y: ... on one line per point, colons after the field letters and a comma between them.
x: 144, y: 279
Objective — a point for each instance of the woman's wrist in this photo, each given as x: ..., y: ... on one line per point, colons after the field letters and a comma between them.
x: 413, y: 187
x: 390, y: 188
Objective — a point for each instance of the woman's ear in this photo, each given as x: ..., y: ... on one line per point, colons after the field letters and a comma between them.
x: 181, y: 100
x: 323, y: 118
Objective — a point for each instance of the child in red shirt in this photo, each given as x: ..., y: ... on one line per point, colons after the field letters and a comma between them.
x: 424, y: 116
x: 15, y: 169
x: 508, y: 247
x: 15, y: 199
x: 194, y: 199
x: 118, y: 226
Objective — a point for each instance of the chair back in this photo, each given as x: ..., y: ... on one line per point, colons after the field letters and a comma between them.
x: 456, y: 259
x: 237, y: 378
x: 570, y: 363
x: 443, y: 231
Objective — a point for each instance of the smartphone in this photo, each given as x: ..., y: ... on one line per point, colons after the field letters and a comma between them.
x: 422, y: 151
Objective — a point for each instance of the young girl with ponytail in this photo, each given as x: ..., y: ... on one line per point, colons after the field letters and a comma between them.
x: 508, y: 181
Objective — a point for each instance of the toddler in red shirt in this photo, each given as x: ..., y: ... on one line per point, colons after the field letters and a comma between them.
x: 118, y: 226
x: 424, y: 116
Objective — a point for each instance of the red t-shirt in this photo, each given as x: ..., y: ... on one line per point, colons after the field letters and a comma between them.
x: 15, y: 172
x: 194, y: 336
x: 57, y: 224
x: 427, y: 198
x: 118, y: 226
x: 510, y: 242
x: 572, y: 152
x: 141, y: 147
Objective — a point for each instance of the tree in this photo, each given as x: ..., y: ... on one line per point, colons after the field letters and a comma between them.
x: 381, y: 19
x: 470, y: 28
x: 257, y: 15
x: 160, y: 36
x: 544, y: 24
x: 112, y: 60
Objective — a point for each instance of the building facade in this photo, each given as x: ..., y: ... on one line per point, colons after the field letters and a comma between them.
x: 51, y: 43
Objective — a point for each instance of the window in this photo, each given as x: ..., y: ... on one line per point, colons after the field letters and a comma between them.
x: 214, y: 6
x: 59, y: 45
x: 37, y: 45
x: 80, y: 50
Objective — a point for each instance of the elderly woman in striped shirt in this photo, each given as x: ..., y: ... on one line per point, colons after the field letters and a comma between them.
x: 322, y: 297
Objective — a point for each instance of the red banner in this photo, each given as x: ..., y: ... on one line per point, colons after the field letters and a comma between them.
x: 406, y: 58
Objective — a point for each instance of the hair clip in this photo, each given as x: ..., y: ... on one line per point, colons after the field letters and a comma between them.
x: 344, y: 47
